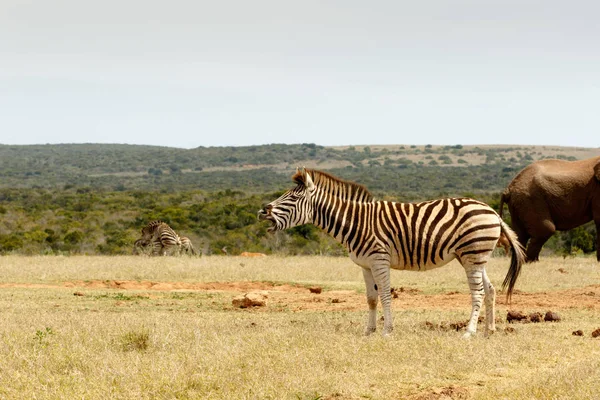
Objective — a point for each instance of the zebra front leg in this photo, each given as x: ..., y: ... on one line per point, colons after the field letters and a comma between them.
x: 381, y: 275
x: 475, y: 277
x: 490, y: 305
x: 371, y: 301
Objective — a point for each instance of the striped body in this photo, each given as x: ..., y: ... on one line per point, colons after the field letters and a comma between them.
x: 186, y: 245
x: 162, y: 238
x: 380, y: 235
x: 415, y: 237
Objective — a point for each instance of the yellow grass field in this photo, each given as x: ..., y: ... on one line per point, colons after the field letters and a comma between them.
x: 165, y: 328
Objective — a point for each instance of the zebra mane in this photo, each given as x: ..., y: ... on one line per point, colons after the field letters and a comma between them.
x: 335, y: 186
x: 156, y: 222
x: 152, y: 225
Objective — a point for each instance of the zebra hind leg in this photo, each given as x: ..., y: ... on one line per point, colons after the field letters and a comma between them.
x: 371, y: 301
x: 476, y: 286
x: 490, y: 305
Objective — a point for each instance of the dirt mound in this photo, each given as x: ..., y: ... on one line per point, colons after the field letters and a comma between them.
x: 445, y: 393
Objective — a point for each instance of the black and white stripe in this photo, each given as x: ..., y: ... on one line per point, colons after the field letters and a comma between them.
x: 380, y: 235
x: 186, y: 246
x: 161, y: 237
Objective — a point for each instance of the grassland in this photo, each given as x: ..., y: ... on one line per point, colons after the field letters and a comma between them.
x: 125, y: 327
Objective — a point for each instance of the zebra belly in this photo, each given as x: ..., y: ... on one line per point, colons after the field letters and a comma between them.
x: 396, y: 262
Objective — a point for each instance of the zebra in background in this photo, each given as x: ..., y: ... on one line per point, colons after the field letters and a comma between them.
x: 141, y: 246
x: 186, y: 246
x: 380, y: 235
x: 161, y: 237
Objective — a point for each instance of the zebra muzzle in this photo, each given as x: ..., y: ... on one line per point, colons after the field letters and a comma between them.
x: 265, y: 215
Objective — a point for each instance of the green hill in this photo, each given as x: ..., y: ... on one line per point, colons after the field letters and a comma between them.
x: 94, y: 198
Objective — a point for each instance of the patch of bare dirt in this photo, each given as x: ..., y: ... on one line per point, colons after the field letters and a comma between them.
x: 444, y: 393
x: 298, y: 298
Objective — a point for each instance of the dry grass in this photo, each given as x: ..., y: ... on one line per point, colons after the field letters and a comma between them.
x: 143, y: 344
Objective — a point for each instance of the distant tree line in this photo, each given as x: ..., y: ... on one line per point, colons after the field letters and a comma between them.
x: 93, y: 199
x: 85, y: 221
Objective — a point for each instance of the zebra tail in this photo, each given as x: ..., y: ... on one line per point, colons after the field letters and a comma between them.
x: 516, y: 261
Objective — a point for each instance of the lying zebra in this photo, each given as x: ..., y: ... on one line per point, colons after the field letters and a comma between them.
x: 158, y: 238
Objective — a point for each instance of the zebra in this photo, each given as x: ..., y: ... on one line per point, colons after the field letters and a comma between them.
x: 161, y: 237
x: 140, y: 246
x: 186, y: 246
x: 380, y: 235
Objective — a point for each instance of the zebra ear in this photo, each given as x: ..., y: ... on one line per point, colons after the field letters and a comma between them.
x: 308, y: 182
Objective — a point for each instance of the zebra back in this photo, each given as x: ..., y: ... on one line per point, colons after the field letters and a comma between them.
x: 161, y: 236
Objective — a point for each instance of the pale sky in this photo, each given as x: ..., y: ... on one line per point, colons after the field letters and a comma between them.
x: 185, y: 73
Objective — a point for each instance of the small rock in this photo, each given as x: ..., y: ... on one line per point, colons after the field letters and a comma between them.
x: 578, y: 333
x: 596, y: 333
x: 536, y: 317
x: 315, y: 289
x: 515, y: 316
x: 252, y: 299
x: 457, y: 326
x: 551, y: 316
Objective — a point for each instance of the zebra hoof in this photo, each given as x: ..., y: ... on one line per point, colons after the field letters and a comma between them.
x: 468, y: 335
x: 369, y: 330
x: 489, y: 332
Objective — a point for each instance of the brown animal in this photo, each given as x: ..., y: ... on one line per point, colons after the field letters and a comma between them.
x: 553, y: 195
x: 247, y: 254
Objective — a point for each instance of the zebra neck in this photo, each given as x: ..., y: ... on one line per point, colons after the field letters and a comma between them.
x: 341, y: 218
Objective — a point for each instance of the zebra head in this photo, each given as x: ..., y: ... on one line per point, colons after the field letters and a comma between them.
x: 294, y: 207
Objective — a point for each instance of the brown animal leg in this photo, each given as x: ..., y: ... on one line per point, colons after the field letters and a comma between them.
x: 522, y: 235
x: 598, y: 240
x: 534, y: 248
x: 539, y: 236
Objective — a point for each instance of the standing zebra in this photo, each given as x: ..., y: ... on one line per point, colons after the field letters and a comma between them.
x: 161, y: 237
x: 380, y: 235
x: 186, y: 246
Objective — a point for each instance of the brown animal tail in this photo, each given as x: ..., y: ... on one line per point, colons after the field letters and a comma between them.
x: 516, y: 261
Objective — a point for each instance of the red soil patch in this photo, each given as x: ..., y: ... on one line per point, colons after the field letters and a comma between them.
x: 299, y: 298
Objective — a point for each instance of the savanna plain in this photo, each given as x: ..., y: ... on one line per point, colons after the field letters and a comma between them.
x: 124, y: 327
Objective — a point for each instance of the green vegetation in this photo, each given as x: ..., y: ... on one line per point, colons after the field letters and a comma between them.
x: 93, y: 199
